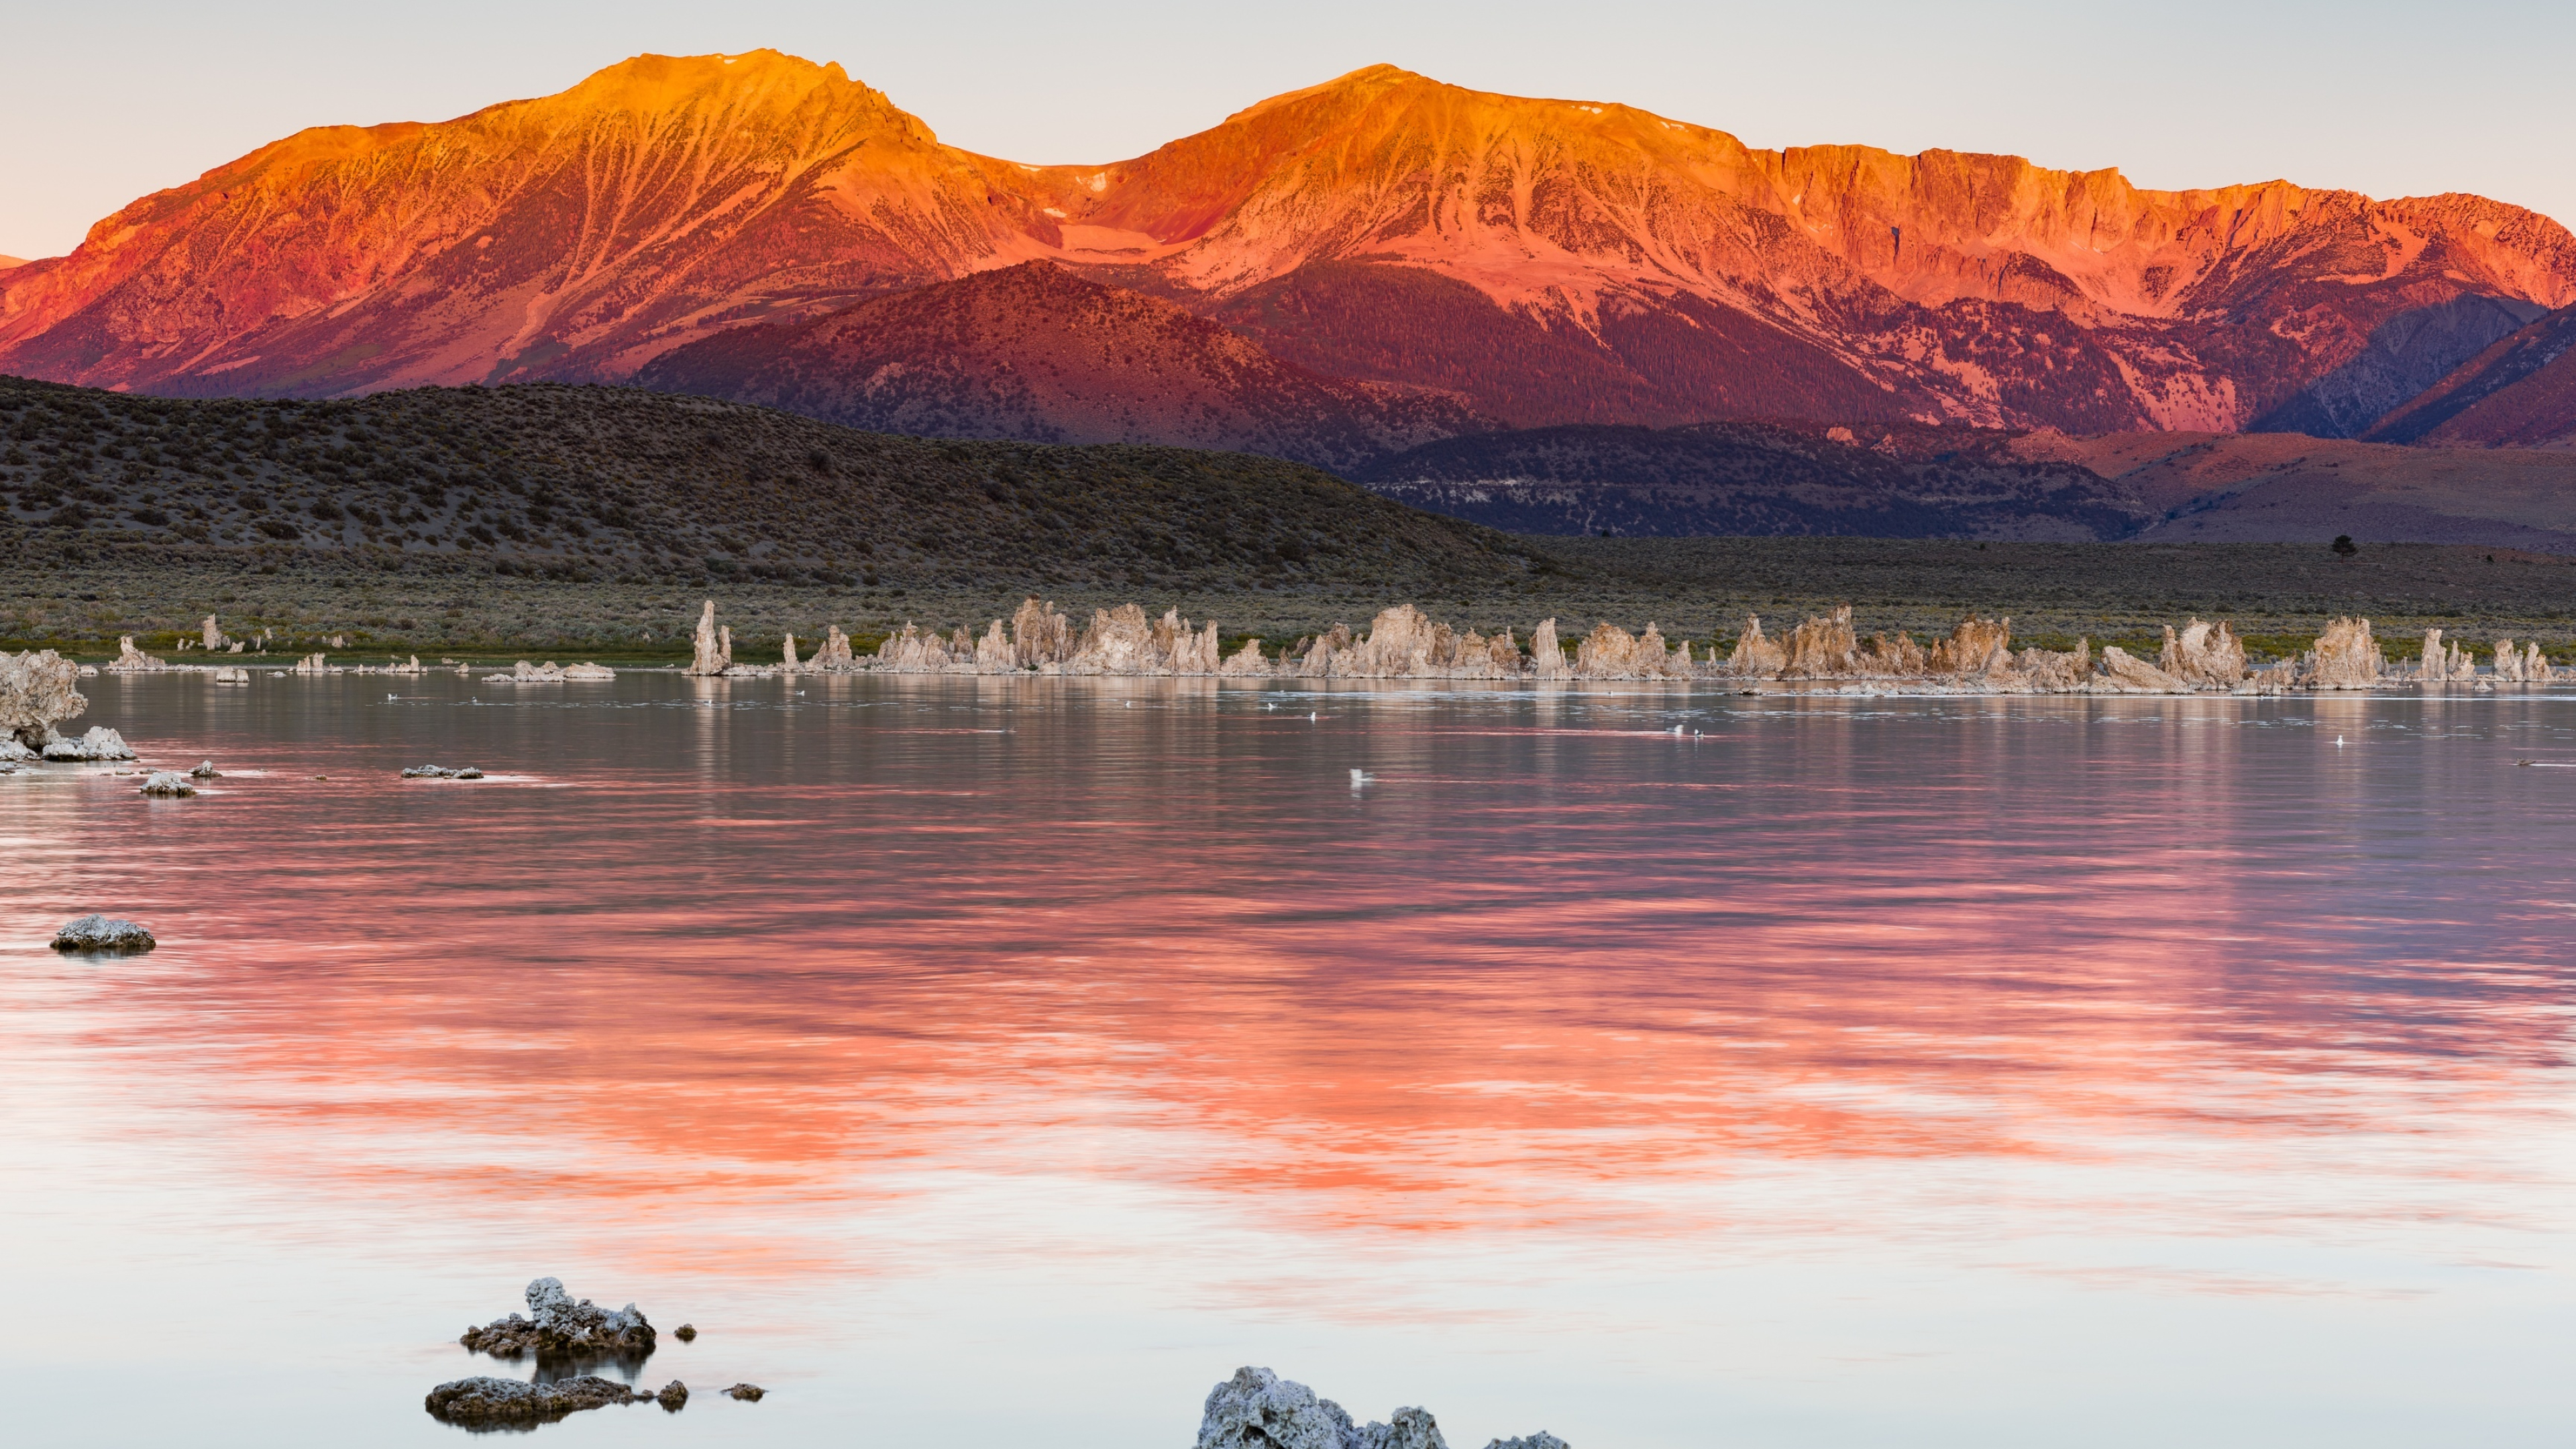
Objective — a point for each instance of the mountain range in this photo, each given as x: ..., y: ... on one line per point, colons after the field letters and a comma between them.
x: 1332, y: 275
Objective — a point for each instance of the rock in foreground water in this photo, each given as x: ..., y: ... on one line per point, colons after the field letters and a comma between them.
x: 557, y: 1325
x: 101, y: 933
x: 441, y: 772
x: 748, y: 1393
x: 169, y: 783
x: 1257, y: 1409
x: 101, y: 743
x: 485, y: 1400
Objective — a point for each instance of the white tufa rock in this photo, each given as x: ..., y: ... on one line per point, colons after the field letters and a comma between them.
x: 130, y: 660
x: 36, y: 689
x: 169, y: 783
x: 714, y: 648
x: 101, y: 743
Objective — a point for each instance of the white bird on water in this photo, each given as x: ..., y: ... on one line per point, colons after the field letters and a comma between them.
x: 2338, y: 742
x: 1362, y: 777
x: 1314, y: 716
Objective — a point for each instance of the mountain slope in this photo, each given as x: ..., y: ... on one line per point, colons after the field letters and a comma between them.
x: 1623, y: 267
x: 1752, y: 479
x: 2519, y: 393
x: 1910, y: 481
x: 1033, y: 352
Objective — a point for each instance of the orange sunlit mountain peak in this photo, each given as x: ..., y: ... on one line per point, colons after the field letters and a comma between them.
x: 1594, y: 262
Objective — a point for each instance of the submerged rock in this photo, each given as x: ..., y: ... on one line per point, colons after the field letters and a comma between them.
x: 102, y: 933
x: 674, y: 1395
x: 1540, y: 1440
x: 1257, y: 1409
x: 748, y: 1393
x: 491, y: 1400
x: 206, y: 771
x: 685, y: 1333
x: 169, y: 783
x: 550, y: 673
x: 558, y: 1325
x: 101, y: 743
x: 441, y: 772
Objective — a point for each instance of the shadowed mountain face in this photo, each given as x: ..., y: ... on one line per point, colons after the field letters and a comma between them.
x: 1751, y: 479
x: 1037, y: 354
x: 1551, y: 261
x: 2518, y: 393
x: 1911, y: 481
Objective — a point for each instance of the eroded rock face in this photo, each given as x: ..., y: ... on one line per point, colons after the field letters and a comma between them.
x: 214, y: 638
x: 2124, y: 673
x: 37, y: 688
x: 1040, y: 636
x: 1608, y: 652
x: 2055, y: 671
x: 713, y: 652
x: 913, y: 650
x: 557, y: 1325
x: 2204, y: 655
x: 2526, y: 665
x: 1403, y: 643
x: 485, y: 1400
x: 835, y: 653
x: 1547, y: 656
x: 2345, y: 657
x: 102, y: 933
x: 1756, y: 657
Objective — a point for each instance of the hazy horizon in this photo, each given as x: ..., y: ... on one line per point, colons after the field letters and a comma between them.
x: 2196, y: 96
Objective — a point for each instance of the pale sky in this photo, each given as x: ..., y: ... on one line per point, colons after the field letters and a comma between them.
x: 100, y: 104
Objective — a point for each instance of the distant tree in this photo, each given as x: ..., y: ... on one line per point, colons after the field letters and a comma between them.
x: 2344, y: 546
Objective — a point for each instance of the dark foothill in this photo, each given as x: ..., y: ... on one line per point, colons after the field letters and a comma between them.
x: 748, y: 1393
x: 99, y: 933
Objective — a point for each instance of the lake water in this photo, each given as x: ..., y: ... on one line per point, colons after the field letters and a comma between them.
x: 1004, y: 1062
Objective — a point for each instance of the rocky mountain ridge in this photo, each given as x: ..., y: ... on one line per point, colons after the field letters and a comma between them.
x: 1544, y: 260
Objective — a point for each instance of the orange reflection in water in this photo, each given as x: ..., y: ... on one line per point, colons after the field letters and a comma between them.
x: 1551, y: 971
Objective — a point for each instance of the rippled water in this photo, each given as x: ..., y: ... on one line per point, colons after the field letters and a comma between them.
x: 1005, y: 1061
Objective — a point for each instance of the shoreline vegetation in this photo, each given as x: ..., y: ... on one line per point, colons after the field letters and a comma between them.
x: 487, y: 524
x: 2278, y: 599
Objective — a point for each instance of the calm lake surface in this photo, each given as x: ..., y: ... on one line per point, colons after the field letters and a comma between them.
x: 1004, y: 1062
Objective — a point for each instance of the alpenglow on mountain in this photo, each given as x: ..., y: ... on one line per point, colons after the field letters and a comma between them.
x: 1409, y: 255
